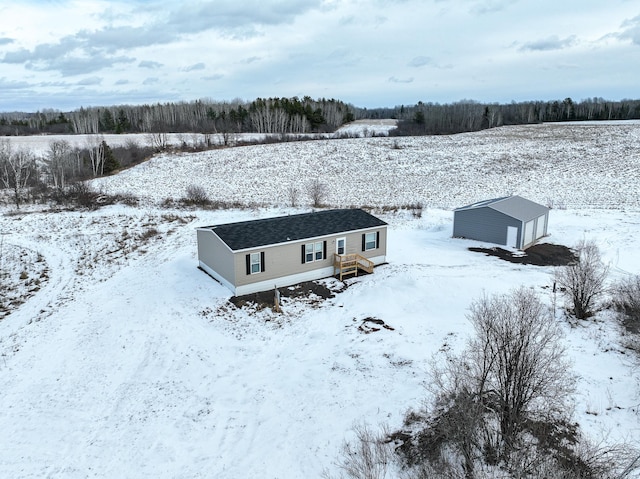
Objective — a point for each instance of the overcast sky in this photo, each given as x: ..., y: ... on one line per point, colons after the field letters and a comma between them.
x: 64, y: 54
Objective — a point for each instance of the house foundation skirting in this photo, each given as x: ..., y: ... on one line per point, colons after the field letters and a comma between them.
x: 277, y: 282
x: 283, y: 281
x: 216, y: 276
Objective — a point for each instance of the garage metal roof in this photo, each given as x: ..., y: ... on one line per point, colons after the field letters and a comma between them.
x: 283, y: 229
x: 514, y: 206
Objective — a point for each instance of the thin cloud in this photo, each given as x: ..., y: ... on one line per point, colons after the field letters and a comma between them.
x: 12, y: 85
x: 150, y: 81
x: 215, y: 77
x: 149, y: 64
x: 489, y: 6
x: 420, y: 61
x: 70, y: 66
x: 90, y: 81
x: 249, y: 60
x: 550, y: 43
x: 231, y: 16
x: 195, y: 66
x: 631, y: 30
x: 5, y: 40
x: 400, y: 80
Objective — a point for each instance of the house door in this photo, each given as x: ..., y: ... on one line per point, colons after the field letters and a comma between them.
x: 341, y: 245
x: 512, y: 236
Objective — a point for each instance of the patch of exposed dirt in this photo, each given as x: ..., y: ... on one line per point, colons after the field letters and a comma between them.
x: 543, y: 254
x: 307, y: 290
x: 371, y: 325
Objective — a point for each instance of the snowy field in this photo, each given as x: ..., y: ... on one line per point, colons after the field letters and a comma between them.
x: 39, y: 144
x: 560, y: 165
x: 127, y: 361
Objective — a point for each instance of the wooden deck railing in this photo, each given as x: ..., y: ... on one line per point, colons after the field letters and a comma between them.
x: 345, y: 264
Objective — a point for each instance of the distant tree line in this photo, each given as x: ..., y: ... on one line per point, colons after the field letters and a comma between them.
x: 305, y: 115
x: 263, y: 115
x: 469, y: 115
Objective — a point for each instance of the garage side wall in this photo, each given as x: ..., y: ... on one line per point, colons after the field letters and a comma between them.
x: 484, y: 224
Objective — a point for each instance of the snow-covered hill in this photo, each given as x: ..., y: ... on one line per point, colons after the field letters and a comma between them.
x: 562, y: 165
x: 130, y: 362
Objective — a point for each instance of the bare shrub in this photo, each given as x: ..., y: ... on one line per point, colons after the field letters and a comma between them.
x: 317, y: 192
x: 583, y: 281
x: 626, y: 299
x: 368, y: 456
x: 127, y: 198
x: 82, y: 194
x: 417, y: 209
x: 196, y: 195
x: 293, y: 193
x: 149, y: 233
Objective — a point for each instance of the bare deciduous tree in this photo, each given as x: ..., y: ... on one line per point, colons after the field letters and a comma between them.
x: 519, y: 362
x: 15, y: 169
x: 95, y: 147
x: 583, y: 281
x: 507, y: 392
x: 159, y: 141
x: 59, y: 162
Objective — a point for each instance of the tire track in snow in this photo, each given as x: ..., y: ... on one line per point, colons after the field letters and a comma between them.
x: 58, y: 289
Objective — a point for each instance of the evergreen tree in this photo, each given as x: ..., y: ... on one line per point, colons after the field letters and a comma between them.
x: 111, y: 163
x: 122, y: 123
x: 106, y: 122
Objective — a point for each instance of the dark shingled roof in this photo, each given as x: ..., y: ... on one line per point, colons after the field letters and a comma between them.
x: 282, y: 229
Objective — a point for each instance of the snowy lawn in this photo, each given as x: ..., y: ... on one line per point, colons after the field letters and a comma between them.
x: 130, y: 362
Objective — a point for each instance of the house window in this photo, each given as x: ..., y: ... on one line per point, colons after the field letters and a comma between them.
x: 370, y: 241
x: 255, y: 262
x: 314, y: 251
x: 340, y: 245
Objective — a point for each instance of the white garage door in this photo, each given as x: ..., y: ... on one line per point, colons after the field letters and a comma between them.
x: 529, y: 229
x: 540, y: 226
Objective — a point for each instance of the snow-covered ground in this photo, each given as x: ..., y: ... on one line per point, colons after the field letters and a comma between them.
x: 39, y: 144
x: 560, y: 165
x: 130, y: 362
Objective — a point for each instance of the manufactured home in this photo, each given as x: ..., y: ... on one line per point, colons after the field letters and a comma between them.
x: 511, y: 221
x: 258, y: 255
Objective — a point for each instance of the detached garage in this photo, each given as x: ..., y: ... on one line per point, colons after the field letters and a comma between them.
x: 512, y: 221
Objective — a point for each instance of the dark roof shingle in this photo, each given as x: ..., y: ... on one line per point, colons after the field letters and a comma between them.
x: 282, y: 229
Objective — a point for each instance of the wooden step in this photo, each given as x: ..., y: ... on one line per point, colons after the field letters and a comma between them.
x: 350, y: 264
